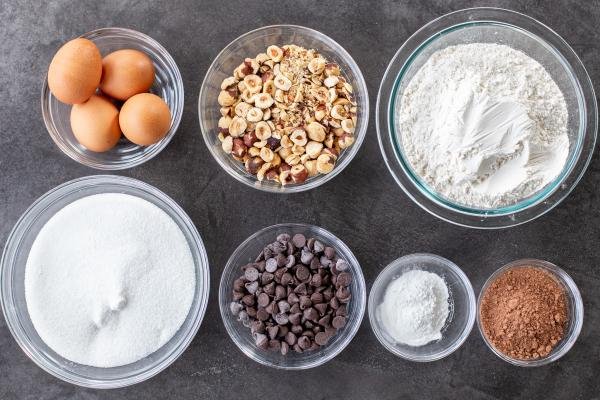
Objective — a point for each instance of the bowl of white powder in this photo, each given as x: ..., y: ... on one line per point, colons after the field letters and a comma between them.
x: 422, y: 307
x: 486, y: 118
x: 104, y: 281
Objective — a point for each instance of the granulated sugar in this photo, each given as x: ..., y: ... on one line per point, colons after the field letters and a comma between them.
x: 484, y: 125
x: 109, y: 280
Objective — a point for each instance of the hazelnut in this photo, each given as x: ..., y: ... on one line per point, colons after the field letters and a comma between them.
x: 313, y: 149
x: 253, y: 83
x: 332, y: 69
x: 298, y: 137
x: 329, y: 140
x: 237, y: 127
x: 298, y: 150
x: 285, y: 167
x: 284, y: 152
x: 266, y: 154
x: 269, y: 87
x: 325, y: 163
x: 251, y: 66
x: 282, y: 82
x: 348, y: 126
x: 247, y: 96
x: 332, y: 95
x: 286, y: 143
x: 339, y: 112
x: 268, y: 75
x: 250, y: 138
x: 316, y: 65
x: 316, y: 131
x: 260, y: 144
x: 263, y: 100
x: 253, y: 165
x: 285, y: 177
x: 273, y: 143
x: 311, y: 167
x: 275, y: 52
x: 299, y: 173
x: 227, y: 144
x: 253, y: 151
x: 226, y: 98
x: 345, y: 141
x: 242, y: 108
x: 266, y: 114
x: 228, y: 82
x: 331, y: 151
x: 224, y: 123
x: 225, y: 111
x: 272, y: 175
x: 260, y: 174
x: 276, y: 161
x: 262, y: 130
x: 292, y: 159
x: 254, y: 114
x: 331, y: 81
x: 239, y: 148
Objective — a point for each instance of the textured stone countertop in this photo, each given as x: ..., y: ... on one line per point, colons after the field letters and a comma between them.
x: 362, y: 205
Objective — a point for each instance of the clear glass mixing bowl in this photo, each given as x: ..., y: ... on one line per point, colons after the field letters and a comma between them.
x: 167, y: 84
x: 490, y: 25
x: 249, y: 45
x: 12, y: 284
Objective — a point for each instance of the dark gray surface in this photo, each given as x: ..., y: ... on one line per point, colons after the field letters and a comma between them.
x: 363, y: 205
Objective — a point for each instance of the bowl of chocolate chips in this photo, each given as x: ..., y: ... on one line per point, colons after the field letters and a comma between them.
x: 292, y: 296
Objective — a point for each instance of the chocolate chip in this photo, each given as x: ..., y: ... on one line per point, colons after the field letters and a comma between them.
x: 290, y: 261
x: 341, y: 311
x: 260, y: 266
x: 293, y: 298
x: 281, y: 319
x: 290, y: 338
x: 290, y: 249
x: 296, y: 329
x: 316, y: 280
x: 261, y: 340
x: 295, y: 308
x: 281, y: 260
x: 280, y: 292
x: 325, y: 321
x: 295, y: 318
x: 341, y: 265
x: 285, y: 348
x: 278, y: 247
x: 243, y: 316
x: 338, y: 322
x: 269, y: 289
x: 316, y: 297
x: 318, y: 247
x: 286, y: 279
x: 329, y: 252
x: 235, y: 307
x: 306, y: 257
x: 267, y: 253
x: 251, y: 287
x: 321, y: 338
x: 299, y: 240
x: 343, y: 279
x: 273, y: 331
x: 284, y: 306
x: 343, y: 294
x: 266, y: 278
x: 257, y: 327
x: 300, y: 289
x: 251, y: 274
x: 263, y: 300
x: 297, y: 348
x: 303, y: 342
x: 262, y: 314
x: 271, y: 265
x: 274, y: 345
x: 238, y: 284
x: 305, y: 302
x: 302, y: 273
x: 334, y: 303
x: 321, y: 308
x: 310, y: 243
x: 248, y: 300
x: 260, y: 256
x: 283, y: 330
x: 311, y: 314
x: 251, y: 311
x: 283, y: 238
x: 325, y: 262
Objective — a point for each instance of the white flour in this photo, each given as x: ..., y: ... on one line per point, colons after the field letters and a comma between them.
x: 484, y: 125
x: 109, y: 280
x: 415, y: 308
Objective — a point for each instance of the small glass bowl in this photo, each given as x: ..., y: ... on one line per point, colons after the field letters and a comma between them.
x: 490, y: 25
x: 167, y: 84
x: 241, y: 336
x: 12, y: 284
x: 462, y: 307
x: 249, y: 45
x: 575, y: 311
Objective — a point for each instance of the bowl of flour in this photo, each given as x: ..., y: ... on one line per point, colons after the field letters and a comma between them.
x: 104, y: 281
x: 486, y: 118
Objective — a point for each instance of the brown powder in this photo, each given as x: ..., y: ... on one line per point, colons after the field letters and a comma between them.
x: 524, y: 313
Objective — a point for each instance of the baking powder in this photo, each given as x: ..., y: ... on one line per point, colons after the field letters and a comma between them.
x: 484, y: 125
x: 109, y: 280
x: 415, y: 308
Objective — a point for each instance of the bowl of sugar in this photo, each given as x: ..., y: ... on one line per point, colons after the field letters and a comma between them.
x: 104, y: 281
x: 486, y: 118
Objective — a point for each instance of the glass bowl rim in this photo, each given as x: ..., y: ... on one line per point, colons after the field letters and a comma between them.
x: 350, y: 333
x: 464, y: 215
x: 176, y: 111
x: 7, y: 265
x: 359, y: 134
x: 571, y: 290
x: 379, y: 285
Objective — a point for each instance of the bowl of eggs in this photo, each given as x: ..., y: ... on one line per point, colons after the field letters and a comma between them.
x: 112, y: 99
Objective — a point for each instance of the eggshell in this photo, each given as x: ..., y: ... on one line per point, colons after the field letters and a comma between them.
x: 75, y: 71
x: 126, y: 73
x: 145, y: 119
x: 95, y: 124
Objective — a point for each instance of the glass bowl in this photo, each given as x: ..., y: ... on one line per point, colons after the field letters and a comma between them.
x: 575, y: 311
x: 241, y: 336
x: 462, y: 307
x: 249, y: 45
x: 12, y: 284
x: 490, y: 25
x: 167, y: 84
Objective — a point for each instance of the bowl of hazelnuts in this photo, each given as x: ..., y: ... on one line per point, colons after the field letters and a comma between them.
x: 283, y: 108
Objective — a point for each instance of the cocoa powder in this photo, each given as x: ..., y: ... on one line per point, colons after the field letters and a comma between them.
x: 524, y: 313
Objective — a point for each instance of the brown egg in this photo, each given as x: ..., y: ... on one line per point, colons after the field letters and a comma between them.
x: 145, y: 119
x: 95, y: 124
x: 126, y: 73
x: 75, y: 71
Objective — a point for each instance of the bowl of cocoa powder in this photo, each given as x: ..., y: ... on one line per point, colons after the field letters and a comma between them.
x: 530, y: 312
